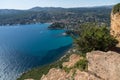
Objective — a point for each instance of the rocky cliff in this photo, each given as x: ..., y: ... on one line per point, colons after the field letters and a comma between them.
x: 115, y: 25
x: 115, y: 22
x: 101, y: 66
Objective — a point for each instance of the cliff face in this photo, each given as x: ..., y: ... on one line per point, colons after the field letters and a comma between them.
x: 101, y: 66
x: 115, y: 25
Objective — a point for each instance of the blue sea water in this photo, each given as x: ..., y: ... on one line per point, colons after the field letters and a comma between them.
x: 23, y: 47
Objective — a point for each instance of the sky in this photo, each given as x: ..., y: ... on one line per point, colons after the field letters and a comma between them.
x: 27, y: 4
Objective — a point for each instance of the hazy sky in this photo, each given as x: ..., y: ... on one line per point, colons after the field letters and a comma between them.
x: 26, y: 4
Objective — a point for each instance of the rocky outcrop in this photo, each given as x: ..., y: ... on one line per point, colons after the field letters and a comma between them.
x: 74, y: 58
x: 101, y: 66
x: 115, y: 25
x: 105, y: 65
x: 115, y: 22
x: 82, y: 75
x: 59, y: 74
x: 55, y: 74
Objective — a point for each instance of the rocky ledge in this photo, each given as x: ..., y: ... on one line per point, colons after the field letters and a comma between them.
x: 101, y: 66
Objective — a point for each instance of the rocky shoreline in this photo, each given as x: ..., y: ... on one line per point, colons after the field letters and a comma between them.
x: 101, y: 66
x: 65, y: 56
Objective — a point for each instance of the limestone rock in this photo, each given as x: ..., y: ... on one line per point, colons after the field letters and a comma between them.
x: 105, y: 65
x: 74, y: 58
x: 101, y: 66
x: 115, y: 25
x: 55, y: 74
x: 59, y: 74
x: 82, y: 75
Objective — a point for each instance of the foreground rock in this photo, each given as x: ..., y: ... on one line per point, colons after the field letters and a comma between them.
x: 105, y: 65
x: 55, y: 74
x: 101, y: 66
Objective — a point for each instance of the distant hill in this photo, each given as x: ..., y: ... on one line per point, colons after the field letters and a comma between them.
x: 55, y: 14
x: 45, y: 8
x: 13, y: 11
x: 58, y: 8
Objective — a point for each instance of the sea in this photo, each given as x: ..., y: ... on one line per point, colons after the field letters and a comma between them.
x: 23, y: 47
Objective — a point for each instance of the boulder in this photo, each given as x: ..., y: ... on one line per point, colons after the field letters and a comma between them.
x: 105, y: 65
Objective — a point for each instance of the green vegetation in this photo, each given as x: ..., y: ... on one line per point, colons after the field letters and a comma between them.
x: 67, y: 69
x: 94, y: 37
x: 57, y: 25
x: 82, y: 64
x: 116, y: 8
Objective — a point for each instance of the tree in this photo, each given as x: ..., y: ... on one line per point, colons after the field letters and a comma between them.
x: 93, y: 37
x: 116, y: 8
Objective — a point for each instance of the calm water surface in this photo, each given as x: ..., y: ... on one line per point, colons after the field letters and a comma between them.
x: 27, y: 46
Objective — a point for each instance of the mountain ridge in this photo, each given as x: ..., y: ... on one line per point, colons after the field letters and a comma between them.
x: 37, y: 8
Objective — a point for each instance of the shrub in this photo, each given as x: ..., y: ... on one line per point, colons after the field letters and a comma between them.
x: 82, y: 64
x: 116, y: 8
x: 92, y: 37
x: 66, y: 69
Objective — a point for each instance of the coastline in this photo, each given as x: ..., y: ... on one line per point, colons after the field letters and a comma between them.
x: 27, y: 24
x: 65, y: 54
x: 30, y: 58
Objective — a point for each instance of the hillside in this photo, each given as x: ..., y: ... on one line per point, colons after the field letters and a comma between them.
x: 71, y: 16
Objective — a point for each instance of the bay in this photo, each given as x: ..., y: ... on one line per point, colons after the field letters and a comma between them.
x: 23, y: 47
